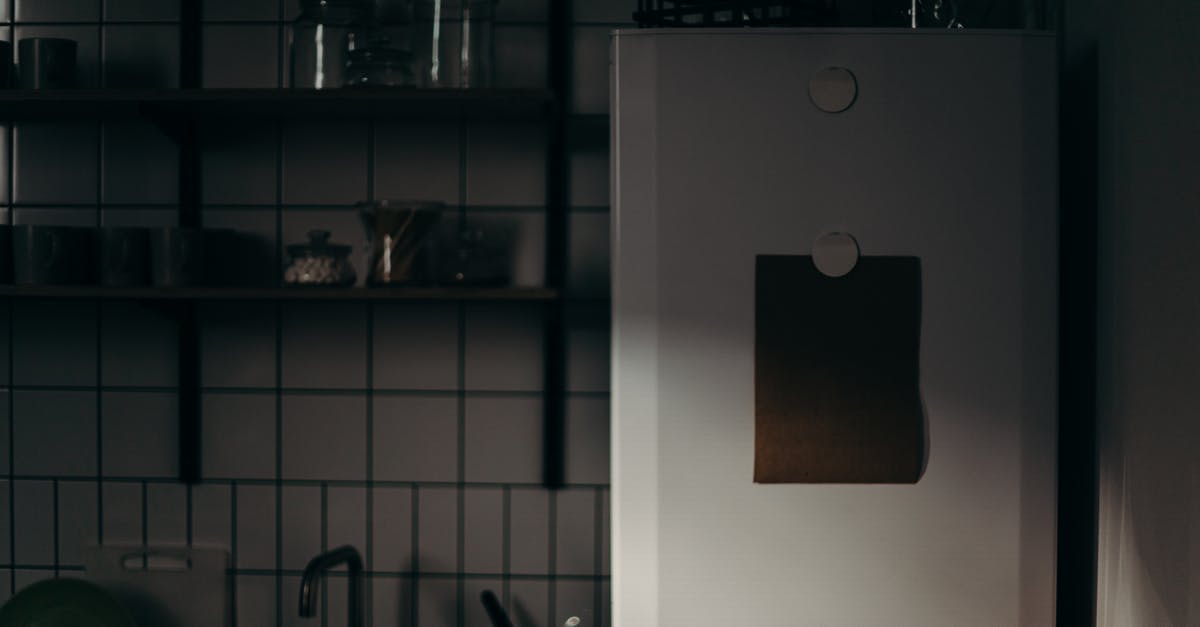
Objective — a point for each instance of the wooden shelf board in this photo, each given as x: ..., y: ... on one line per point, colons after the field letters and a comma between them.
x: 201, y: 104
x: 413, y: 293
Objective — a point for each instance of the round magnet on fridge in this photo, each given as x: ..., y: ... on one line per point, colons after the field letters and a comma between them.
x: 835, y: 254
x: 833, y: 89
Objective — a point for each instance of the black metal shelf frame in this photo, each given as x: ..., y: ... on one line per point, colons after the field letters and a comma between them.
x: 182, y: 113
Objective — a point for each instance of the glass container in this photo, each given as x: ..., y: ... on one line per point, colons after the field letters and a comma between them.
x: 318, y: 262
x: 477, y: 256
x: 990, y: 14
x: 379, y: 65
x: 321, y: 41
x: 454, y: 42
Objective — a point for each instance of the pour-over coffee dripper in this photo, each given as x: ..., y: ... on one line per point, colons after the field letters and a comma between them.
x: 398, y: 231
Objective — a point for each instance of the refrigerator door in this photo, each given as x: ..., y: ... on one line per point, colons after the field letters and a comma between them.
x: 946, y: 153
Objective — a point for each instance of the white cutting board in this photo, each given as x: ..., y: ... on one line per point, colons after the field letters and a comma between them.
x: 165, y: 586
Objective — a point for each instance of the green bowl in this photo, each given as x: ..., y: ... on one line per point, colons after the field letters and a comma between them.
x: 64, y: 603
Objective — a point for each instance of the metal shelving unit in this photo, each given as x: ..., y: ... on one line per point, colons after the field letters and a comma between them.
x: 183, y: 113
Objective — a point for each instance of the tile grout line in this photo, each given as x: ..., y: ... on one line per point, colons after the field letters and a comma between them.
x: 54, y: 488
x: 270, y: 482
x: 552, y: 559
x: 461, y: 462
x: 598, y: 612
x: 279, y: 175
x: 233, y: 549
x: 369, y: 489
x: 368, y: 547
x: 10, y: 166
x: 295, y: 572
x: 99, y: 425
x: 12, y: 484
x: 278, y: 479
x: 506, y: 547
x: 145, y: 516
x: 415, y: 582
x: 189, y: 511
x: 302, y: 391
x: 250, y: 207
x: 324, y: 548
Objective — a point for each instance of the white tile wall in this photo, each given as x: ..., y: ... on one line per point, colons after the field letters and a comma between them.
x: 121, y: 513
x: 410, y: 431
x: 301, y: 530
x: 324, y: 437
x: 483, y: 541
x: 238, y: 437
x: 393, y: 524
x: 416, y: 438
x: 437, y: 550
x: 139, y: 434
x: 166, y: 514
x: 77, y: 521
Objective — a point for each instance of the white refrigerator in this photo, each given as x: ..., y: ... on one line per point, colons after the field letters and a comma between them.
x: 946, y: 152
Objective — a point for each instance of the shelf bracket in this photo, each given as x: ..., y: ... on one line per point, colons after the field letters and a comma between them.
x: 189, y: 392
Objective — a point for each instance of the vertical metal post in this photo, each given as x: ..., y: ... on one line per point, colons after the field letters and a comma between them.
x: 189, y: 216
x: 1078, y: 468
x: 554, y: 340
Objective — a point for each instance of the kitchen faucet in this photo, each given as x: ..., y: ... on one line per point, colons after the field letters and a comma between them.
x: 347, y: 555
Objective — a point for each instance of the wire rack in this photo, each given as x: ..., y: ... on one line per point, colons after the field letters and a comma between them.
x: 711, y: 13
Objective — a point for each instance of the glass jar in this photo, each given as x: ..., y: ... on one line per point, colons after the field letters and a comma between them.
x: 998, y: 14
x: 379, y: 65
x: 477, y: 256
x: 319, y: 262
x: 321, y: 40
x: 454, y: 42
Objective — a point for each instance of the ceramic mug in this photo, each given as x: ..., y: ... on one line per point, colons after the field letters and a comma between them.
x: 47, y: 63
x: 6, y: 254
x: 176, y: 257
x: 52, y: 255
x: 6, y: 66
x: 124, y: 256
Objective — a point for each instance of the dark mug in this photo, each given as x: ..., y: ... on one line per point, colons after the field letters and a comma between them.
x: 220, y: 258
x: 6, y: 254
x: 52, y: 255
x: 47, y: 63
x: 124, y: 256
x: 6, y: 64
x: 177, y: 257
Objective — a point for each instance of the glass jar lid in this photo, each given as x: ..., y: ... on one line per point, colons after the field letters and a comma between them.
x: 336, y: 10
x: 317, y: 5
x: 318, y: 245
x: 379, y: 54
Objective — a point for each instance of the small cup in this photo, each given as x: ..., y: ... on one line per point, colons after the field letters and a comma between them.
x: 6, y: 254
x: 124, y: 256
x: 6, y: 66
x: 221, y: 256
x: 52, y: 255
x: 47, y: 63
x: 177, y: 257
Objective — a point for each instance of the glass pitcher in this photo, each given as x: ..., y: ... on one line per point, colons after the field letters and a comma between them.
x: 454, y: 42
x: 321, y: 41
